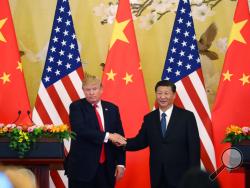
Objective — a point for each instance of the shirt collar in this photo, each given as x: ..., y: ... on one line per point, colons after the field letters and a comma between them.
x: 98, y: 104
x: 168, y: 112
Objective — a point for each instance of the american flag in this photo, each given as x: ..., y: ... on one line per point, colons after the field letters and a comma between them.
x: 61, y: 79
x: 183, y: 67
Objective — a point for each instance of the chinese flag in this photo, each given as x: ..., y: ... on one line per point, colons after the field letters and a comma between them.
x: 123, y: 84
x: 233, y: 97
x: 13, y: 93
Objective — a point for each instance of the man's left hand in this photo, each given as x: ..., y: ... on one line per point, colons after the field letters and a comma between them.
x: 119, y: 172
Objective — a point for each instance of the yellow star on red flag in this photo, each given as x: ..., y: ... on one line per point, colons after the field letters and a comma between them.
x: 127, y: 90
x: 20, y: 66
x: 111, y: 75
x: 227, y: 76
x: 128, y: 78
x: 245, y: 79
x: 2, y: 22
x: 118, y: 32
x: 236, y: 32
x: 5, y: 77
x: 231, y: 105
x: 13, y: 92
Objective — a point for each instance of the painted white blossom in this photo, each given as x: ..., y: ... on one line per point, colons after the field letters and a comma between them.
x: 221, y: 44
x: 147, y: 21
x: 201, y: 12
x: 111, y: 13
x: 196, y: 2
x: 106, y: 12
x: 136, y: 1
x: 174, y: 6
x: 149, y: 12
x: 100, y: 10
x: 162, y: 6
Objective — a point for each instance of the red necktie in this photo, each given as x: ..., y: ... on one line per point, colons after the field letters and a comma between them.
x: 102, y: 156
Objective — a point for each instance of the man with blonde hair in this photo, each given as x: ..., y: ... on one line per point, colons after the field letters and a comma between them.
x: 93, y: 161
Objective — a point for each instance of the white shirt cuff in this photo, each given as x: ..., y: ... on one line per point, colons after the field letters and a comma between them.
x: 121, y: 166
x: 106, y: 139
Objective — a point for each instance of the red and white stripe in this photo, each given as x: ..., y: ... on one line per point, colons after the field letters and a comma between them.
x: 191, y: 95
x: 52, y: 107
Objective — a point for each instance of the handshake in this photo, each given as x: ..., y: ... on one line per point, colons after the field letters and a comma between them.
x: 117, y: 139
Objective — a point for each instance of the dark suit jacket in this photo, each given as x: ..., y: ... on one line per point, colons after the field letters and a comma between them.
x: 176, y: 152
x: 83, y: 158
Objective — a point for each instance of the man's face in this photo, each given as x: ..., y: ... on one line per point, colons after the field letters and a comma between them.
x: 93, y: 92
x: 165, y: 97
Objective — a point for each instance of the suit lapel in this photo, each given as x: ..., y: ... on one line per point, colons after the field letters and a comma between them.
x: 90, y: 111
x: 157, y: 122
x: 105, y: 110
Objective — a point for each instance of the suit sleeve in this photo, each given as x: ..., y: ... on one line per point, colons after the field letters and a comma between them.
x: 193, y: 142
x: 79, y: 125
x: 139, y: 141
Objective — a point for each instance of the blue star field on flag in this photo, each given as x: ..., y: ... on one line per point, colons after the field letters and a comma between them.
x: 63, y: 56
x: 183, y: 56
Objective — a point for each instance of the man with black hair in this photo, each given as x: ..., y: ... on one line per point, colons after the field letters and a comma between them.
x: 172, y: 136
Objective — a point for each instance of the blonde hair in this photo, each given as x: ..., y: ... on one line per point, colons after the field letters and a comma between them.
x: 90, y: 79
x: 20, y: 177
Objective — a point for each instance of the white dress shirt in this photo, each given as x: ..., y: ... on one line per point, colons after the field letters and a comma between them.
x: 168, y: 113
x: 100, y: 111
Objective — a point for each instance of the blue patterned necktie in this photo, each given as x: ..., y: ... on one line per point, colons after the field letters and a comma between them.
x: 163, y: 124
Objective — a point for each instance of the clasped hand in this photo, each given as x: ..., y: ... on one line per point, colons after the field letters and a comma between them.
x: 117, y: 139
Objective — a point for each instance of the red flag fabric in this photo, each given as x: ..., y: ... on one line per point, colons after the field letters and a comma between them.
x: 13, y: 93
x: 123, y: 84
x: 232, y: 100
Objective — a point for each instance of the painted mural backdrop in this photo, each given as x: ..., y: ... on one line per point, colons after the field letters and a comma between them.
x: 153, y: 21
